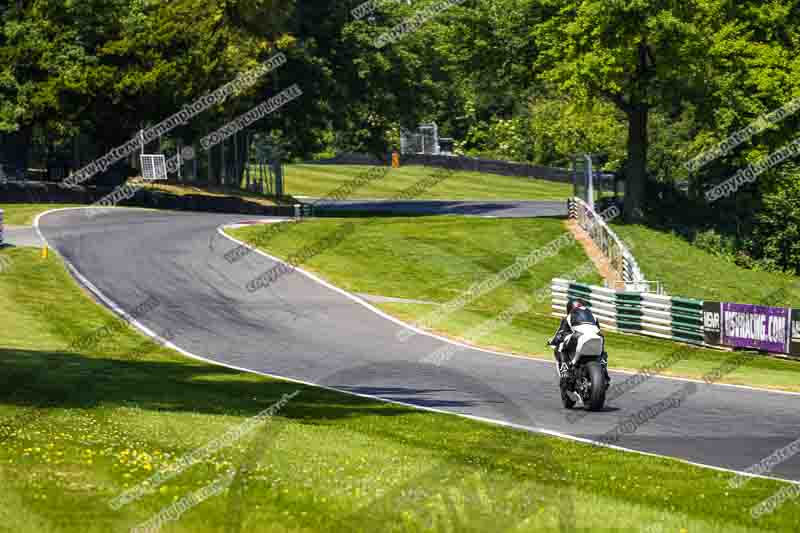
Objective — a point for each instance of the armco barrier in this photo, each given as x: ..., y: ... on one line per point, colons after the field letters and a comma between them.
x: 678, y: 319
x: 303, y: 210
x: 611, y: 245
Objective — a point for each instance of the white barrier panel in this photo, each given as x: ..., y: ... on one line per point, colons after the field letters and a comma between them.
x: 678, y: 319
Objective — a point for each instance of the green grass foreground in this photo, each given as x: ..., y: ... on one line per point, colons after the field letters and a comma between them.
x: 321, y: 180
x: 79, y: 428
x: 24, y: 214
x: 437, y: 259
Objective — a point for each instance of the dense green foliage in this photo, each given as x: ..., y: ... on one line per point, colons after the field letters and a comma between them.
x: 647, y: 84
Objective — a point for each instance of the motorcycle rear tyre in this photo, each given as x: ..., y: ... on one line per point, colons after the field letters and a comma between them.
x: 597, y: 395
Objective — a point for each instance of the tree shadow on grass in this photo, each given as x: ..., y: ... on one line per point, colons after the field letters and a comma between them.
x: 68, y: 380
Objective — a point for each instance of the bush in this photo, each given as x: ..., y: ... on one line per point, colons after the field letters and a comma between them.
x: 714, y: 243
x: 728, y: 248
x: 776, y: 237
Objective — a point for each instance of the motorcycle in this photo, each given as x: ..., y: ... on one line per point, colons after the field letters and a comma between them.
x: 587, y: 378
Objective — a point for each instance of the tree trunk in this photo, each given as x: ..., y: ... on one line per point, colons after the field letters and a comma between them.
x: 15, y: 150
x: 248, y: 139
x: 223, y: 166
x: 636, y: 167
x: 210, y: 160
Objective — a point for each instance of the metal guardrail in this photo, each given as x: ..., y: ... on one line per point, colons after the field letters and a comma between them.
x: 613, y: 248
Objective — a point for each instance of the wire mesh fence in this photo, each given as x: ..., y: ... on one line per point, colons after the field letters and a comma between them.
x: 423, y: 140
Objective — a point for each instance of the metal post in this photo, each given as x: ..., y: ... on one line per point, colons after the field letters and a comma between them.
x: 236, y: 160
x: 590, y: 180
x: 208, y: 158
x: 223, y: 170
x: 574, y: 176
x: 247, y: 138
x: 180, y: 160
x: 278, y: 169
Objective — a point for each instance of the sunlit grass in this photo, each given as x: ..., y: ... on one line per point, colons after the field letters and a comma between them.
x: 321, y: 180
x: 24, y: 214
x: 438, y: 259
x: 76, y: 429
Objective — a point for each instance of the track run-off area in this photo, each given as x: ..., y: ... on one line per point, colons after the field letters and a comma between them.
x: 302, y: 328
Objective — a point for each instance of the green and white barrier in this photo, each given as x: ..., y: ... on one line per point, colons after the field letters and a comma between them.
x: 678, y: 319
x: 303, y: 210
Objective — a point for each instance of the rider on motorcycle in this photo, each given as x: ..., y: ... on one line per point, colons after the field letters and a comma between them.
x: 564, y: 342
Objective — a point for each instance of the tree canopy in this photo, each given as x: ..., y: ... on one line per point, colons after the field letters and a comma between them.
x: 650, y: 84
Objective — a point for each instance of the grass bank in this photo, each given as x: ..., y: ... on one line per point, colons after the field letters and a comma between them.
x: 24, y: 214
x: 439, y: 258
x: 320, y: 180
x: 689, y: 271
x: 79, y: 427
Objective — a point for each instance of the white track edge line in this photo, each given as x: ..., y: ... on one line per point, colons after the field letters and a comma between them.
x: 504, y: 423
x: 418, y: 331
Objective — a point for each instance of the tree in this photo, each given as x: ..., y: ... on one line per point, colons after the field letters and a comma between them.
x: 640, y: 55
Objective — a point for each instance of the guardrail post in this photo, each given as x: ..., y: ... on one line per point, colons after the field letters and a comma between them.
x: 610, y: 244
x: 590, y: 184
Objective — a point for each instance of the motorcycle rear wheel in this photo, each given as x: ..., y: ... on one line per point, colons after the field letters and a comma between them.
x: 597, y: 393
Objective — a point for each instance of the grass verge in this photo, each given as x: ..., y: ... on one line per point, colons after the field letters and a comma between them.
x: 77, y: 428
x: 214, y: 191
x: 689, y: 271
x: 438, y: 258
x: 24, y: 214
x: 320, y: 180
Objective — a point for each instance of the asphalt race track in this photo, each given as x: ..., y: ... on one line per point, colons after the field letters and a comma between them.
x: 304, y: 330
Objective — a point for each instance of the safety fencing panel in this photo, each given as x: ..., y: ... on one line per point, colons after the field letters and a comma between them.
x: 678, y: 319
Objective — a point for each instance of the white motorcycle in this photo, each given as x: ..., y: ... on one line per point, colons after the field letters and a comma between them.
x: 588, y: 377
